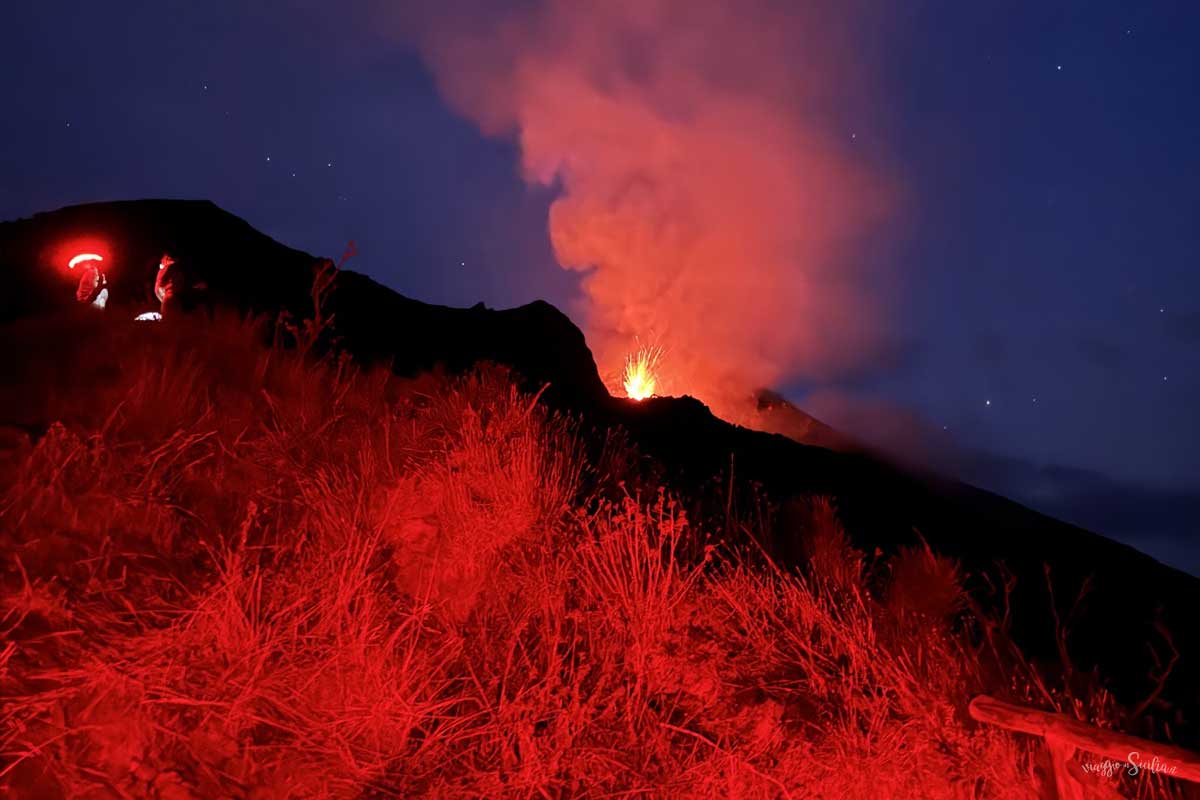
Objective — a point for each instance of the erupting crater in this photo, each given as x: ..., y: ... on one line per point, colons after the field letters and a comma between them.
x: 641, y: 373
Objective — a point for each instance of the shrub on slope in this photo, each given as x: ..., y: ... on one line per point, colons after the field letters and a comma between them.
x: 234, y: 572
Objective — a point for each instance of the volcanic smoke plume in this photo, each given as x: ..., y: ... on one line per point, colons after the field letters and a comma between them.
x: 706, y: 191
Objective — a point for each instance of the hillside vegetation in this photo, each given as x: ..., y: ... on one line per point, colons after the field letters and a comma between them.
x: 236, y: 571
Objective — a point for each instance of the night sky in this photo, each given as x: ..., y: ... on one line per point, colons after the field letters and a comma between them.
x: 1047, y: 245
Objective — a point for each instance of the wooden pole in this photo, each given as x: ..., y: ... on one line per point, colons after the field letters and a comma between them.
x: 1064, y: 735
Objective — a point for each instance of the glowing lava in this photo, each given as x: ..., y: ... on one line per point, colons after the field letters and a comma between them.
x: 641, y: 373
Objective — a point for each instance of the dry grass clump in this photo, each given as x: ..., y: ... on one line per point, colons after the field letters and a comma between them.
x: 234, y: 573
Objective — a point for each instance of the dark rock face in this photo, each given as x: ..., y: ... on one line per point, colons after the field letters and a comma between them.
x: 537, y: 340
x: 882, y: 506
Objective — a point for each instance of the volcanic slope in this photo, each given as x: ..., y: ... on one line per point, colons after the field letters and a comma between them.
x: 1114, y: 598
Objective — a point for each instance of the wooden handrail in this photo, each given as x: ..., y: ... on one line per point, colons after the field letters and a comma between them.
x: 1059, y: 730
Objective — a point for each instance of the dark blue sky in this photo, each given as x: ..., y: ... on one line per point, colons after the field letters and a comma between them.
x: 1048, y: 245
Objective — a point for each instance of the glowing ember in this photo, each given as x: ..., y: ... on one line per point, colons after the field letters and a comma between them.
x: 79, y: 259
x: 641, y: 373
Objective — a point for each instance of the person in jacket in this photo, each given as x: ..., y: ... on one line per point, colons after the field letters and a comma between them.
x: 93, y: 285
x: 167, y: 285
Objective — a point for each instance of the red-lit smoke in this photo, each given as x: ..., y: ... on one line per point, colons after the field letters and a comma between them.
x: 706, y: 191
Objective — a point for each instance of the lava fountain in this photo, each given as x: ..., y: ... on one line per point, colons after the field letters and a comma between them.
x: 641, y: 373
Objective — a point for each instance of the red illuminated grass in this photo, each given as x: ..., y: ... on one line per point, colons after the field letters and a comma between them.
x: 233, y: 573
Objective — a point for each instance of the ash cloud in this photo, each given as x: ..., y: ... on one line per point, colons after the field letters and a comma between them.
x: 707, y: 192
x: 1158, y: 520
